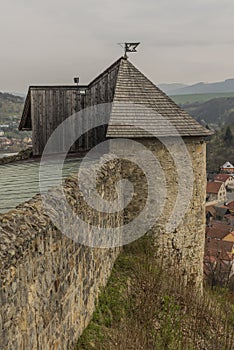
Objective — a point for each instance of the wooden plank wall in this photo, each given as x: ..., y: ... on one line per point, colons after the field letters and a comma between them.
x: 50, y: 106
x: 100, y: 91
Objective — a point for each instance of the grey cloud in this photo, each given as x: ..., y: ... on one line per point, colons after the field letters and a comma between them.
x: 51, y: 40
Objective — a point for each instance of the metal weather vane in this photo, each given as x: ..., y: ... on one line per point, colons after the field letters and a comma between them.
x: 129, y: 47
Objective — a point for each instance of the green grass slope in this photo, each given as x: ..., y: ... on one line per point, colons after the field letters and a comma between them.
x: 146, y: 308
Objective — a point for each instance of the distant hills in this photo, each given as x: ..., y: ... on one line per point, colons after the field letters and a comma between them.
x: 216, y: 112
x: 10, y: 105
x: 198, y: 88
x: 21, y: 94
x: 170, y: 88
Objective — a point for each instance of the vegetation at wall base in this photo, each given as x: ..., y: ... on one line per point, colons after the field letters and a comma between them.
x: 144, y: 307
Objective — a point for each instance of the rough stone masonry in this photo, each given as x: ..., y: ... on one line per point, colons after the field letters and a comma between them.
x: 49, y: 283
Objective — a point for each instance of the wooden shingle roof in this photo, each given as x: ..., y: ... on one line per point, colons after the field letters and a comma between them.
x: 138, y: 104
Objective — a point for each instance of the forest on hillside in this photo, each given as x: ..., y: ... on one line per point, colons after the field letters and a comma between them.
x: 216, y: 112
x: 220, y: 148
x: 10, y: 106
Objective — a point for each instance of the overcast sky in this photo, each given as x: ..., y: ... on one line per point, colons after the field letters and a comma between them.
x: 51, y: 41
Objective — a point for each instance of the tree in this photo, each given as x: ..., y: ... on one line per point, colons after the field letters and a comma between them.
x: 228, y: 137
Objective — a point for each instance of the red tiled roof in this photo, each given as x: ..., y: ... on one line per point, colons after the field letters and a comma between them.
x: 213, y: 187
x: 231, y: 205
x: 218, y: 230
x: 222, y: 177
x: 218, y: 250
x: 229, y: 216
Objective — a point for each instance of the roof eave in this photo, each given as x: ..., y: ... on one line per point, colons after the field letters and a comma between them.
x: 26, y: 112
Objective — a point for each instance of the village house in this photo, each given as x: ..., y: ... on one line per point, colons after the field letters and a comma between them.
x: 219, y: 253
x: 227, y: 168
x: 216, y: 192
x: 218, y: 230
x: 229, y: 219
x: 230, y: 207
x: 227, y: 179
x: 229, y: 216
x: 4, y: 142
x: 221, y: 212
x: 229, y: 237
x: 219, y: 262
x: 28, y: 141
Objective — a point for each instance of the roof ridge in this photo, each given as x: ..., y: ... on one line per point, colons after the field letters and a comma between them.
x: 106, y: 70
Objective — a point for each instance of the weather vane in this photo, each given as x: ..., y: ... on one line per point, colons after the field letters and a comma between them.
x: 129, y: 47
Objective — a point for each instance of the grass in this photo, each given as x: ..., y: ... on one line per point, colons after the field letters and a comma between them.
x: 142, y: 307
x: 188, y: 99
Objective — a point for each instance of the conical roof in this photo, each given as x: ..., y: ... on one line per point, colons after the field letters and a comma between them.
x: 139, y: 106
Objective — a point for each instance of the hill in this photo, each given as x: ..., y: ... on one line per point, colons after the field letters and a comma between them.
x: 220, y: 149
x: 170, y: 88
x: 200, y: 88
x: 192, y: 98
x: 218, y: 111
x: 11, y: 106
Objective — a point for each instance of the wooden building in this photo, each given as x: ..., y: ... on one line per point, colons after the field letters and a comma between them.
x: 46, y: 107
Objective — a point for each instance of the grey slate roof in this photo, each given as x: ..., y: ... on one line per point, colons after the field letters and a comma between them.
x: 140, y: 108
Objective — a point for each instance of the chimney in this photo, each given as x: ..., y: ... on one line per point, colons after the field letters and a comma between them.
x: 76, y: 80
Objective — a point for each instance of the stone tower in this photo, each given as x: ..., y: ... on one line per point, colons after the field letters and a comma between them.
x: 143, y: 113
x: 178, y: 143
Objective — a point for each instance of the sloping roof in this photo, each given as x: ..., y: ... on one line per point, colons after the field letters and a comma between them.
x: 218, y: 230
x: 210, y: 209
x: 213, y: 187
x: 231, y: 204
x: 227, y: 165
x: 229, y: 237
x: 137, y: 101
x: 218, y: 249
x: 222, y: 177
x: 26, y: 123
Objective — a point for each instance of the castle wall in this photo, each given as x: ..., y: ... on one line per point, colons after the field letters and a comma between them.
x: 48, y: 282
x: 182, y: 249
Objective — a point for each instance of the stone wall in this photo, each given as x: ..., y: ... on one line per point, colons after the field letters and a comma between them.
x: 48, y: 282
x: 22, y: 155
x: 181, y: 250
